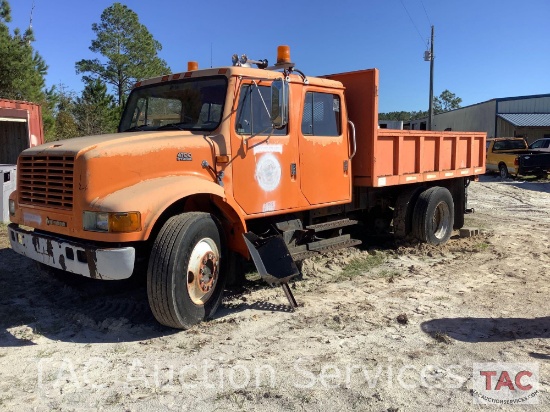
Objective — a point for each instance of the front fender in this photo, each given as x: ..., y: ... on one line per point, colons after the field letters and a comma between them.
x: 152, y: 197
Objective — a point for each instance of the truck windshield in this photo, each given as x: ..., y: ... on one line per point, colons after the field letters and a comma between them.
x: 189, y: 104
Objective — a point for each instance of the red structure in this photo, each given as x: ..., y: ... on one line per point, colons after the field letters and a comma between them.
x: 20, y: 128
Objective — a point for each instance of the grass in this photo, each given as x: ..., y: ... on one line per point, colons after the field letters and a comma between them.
x: 390, y: 275
x: 482, y: 246
x: 361, y: 265
x: 4, y: 241
x: 442, y: 337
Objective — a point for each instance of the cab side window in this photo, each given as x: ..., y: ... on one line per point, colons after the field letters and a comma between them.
x: 252, y: 113
x: 321, y: 115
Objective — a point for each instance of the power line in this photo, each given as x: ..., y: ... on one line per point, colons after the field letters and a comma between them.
x: 429, y: 21
x: 424, y: 41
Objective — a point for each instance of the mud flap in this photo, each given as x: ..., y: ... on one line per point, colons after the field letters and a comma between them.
x: 273, y: 261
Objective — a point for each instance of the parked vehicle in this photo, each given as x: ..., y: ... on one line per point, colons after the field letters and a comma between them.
x: 511, y: 156
x: 213, y: 164
x: 542, y: 145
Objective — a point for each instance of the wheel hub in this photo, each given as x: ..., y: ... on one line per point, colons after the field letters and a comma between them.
x: 207, y: 271
x: 440, y: 219
x: 202, y: 271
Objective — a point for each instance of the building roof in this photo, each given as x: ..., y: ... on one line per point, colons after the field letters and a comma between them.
x: 527, y: 119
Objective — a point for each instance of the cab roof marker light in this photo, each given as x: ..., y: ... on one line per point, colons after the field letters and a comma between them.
x: 283, y: 54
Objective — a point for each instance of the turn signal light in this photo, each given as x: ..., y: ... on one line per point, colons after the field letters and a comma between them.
x: 112, y: 222
x: 192, y: 66
x: 283, y: 54
x: 125, y: 222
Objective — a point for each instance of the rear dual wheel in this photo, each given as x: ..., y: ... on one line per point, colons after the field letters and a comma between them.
x: 403, y: 212
x: 185, y: 282
x: 433, y: 216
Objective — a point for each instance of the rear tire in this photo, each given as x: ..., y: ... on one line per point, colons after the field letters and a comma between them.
x: 503, y: 171
x: 433, y: 216
x: 403, y: 211
x: 184, y: 281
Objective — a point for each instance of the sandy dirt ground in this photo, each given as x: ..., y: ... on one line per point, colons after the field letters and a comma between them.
x: 386, y: 328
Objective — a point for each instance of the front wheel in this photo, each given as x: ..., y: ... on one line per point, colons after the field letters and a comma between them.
x: 433, y: 216
x: 184, y: 281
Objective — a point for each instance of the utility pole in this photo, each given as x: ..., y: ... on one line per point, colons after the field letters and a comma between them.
x: 431, y: 105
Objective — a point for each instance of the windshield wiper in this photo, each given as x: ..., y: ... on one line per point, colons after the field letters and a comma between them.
x: 136, y: 128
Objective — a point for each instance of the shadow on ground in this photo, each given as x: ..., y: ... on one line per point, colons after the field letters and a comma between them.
x: 528, y: 183
x: 475, y: 330
x: 72, y: 309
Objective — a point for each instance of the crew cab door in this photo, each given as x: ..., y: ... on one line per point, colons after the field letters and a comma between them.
x: 265, y: 159
x: 324, y: 148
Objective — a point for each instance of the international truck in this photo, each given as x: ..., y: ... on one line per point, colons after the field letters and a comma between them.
x: 209, y: 162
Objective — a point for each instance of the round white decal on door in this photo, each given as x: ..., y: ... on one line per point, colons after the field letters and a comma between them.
x: 268, y: 172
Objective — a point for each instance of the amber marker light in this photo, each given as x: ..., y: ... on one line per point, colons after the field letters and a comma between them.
x: 192, y: 66
x: 283, y: 54
x: 125, y: 222
x: 112, y: 221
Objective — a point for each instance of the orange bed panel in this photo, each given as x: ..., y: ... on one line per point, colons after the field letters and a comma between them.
x: 387, y: 157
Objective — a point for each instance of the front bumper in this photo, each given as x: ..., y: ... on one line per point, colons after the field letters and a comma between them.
x: 74, y: 257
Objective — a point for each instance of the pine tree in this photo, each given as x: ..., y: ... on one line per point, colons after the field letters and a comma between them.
x: 95, y: 111
x: 129, y: 52
x: 65, y: 126
x: 22, y: 69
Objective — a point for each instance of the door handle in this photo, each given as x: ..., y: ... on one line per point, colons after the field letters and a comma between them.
x: 353, y: 139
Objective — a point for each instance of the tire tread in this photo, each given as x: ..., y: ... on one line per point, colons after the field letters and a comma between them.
x: 159, y: 284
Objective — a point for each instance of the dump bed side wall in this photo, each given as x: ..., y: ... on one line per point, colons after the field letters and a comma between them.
x: 387, y: 157
x: 407, y: 156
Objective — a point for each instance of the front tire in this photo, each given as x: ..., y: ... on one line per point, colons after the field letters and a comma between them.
x: 184, y: 281
x: 433, y: 216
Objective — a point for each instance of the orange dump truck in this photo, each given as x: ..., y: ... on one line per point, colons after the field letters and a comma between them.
x: 210, y: 163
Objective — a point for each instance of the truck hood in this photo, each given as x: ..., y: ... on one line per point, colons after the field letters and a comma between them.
x: 104, y: 143
x: 105, y: 164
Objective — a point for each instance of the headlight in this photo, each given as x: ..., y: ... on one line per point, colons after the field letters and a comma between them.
x: 12, y: 207
x: 112, y: 221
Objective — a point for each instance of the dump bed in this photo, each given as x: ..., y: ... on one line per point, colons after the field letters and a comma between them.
x: 387, y: 157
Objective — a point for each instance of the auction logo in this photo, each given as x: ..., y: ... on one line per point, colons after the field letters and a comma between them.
x: 505, y: 383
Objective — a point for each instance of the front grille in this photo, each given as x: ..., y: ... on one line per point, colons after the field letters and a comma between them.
x: 46, y: 181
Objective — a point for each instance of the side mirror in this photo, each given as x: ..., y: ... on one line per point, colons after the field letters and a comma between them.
x: 279, y: 103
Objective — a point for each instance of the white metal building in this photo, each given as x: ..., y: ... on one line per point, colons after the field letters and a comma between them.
x: 523, y: 116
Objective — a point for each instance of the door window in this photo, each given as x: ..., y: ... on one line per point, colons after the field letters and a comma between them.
x: 253, y: 113
x: 321, y: 115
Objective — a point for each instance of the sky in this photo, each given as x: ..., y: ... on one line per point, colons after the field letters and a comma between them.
x: 484, y: 49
